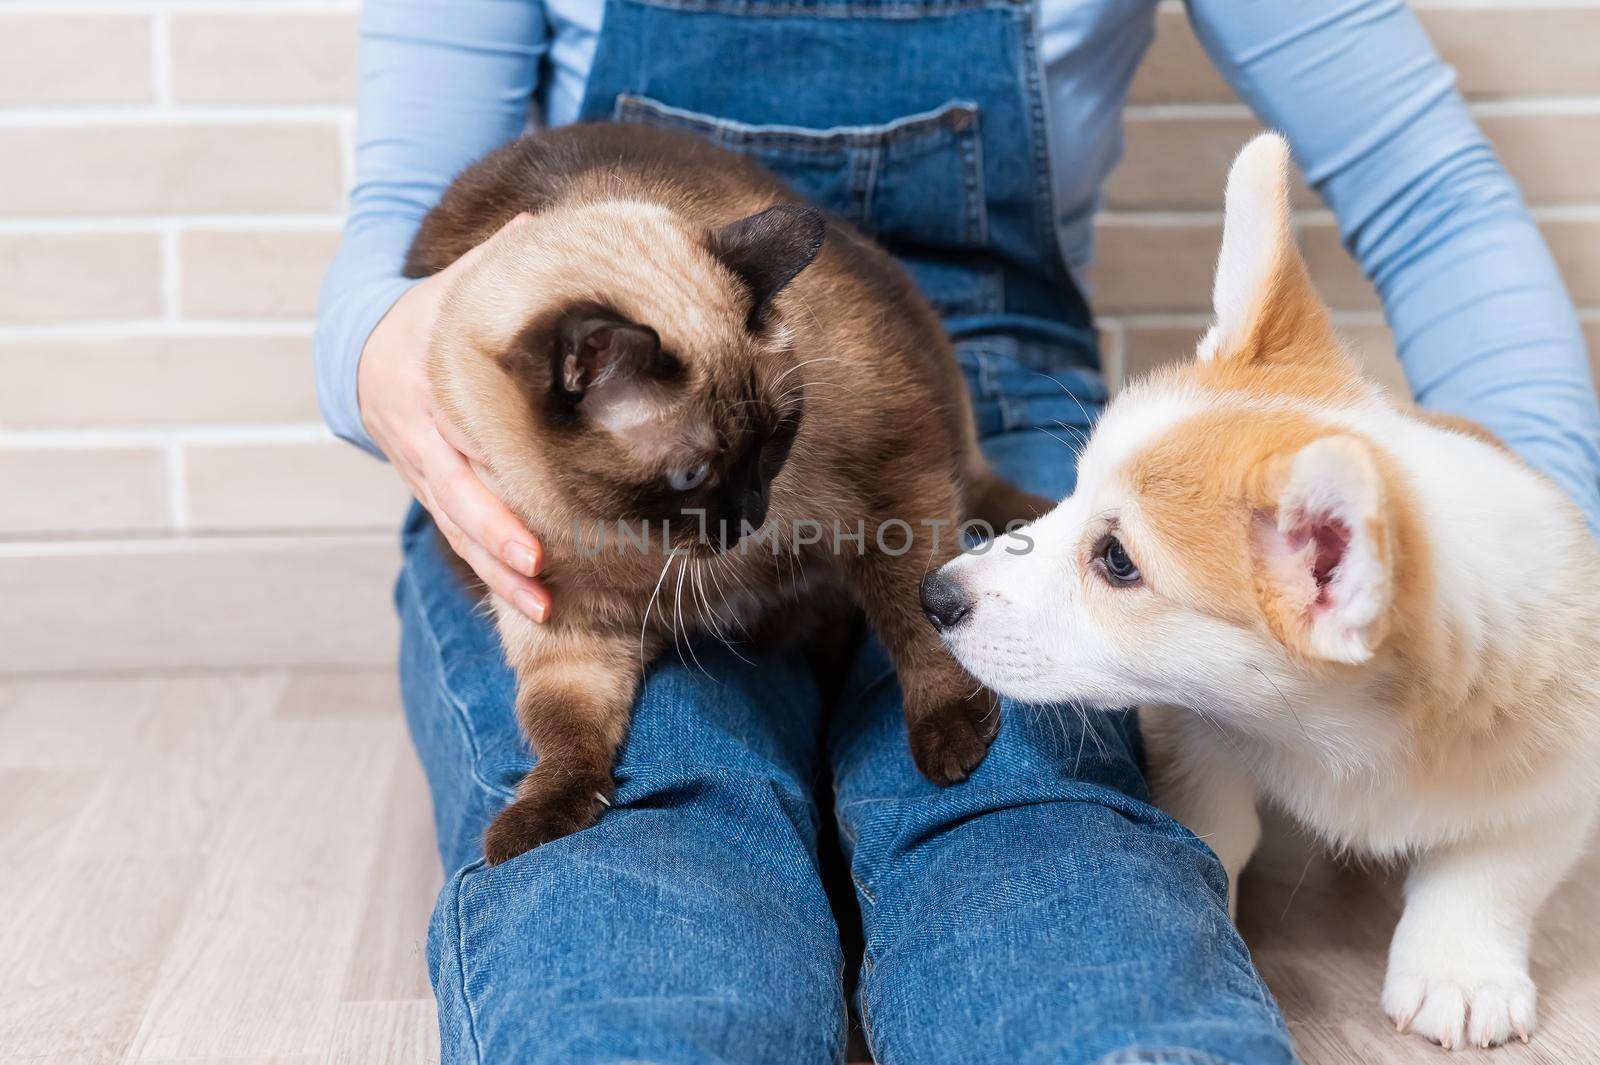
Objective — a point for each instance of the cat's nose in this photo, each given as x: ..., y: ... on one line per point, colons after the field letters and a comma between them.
x: 944, y: 600
x: 753, y: 508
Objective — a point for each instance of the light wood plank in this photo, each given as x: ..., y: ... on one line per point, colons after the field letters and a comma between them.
x: 75, y: 723
x: 386, y: 1033
x: 79, y: 969
x: 172, y: 781
x: 38, y: 810
x: 257, y: 967
x: 276, y: 1059
x: 390, y: 962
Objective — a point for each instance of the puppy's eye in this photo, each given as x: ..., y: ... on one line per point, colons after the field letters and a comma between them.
x: 1116, y: 563
x: 687, y: 480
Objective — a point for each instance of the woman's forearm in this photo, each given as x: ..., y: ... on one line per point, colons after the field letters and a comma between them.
x: 1484, y: 326
x: 442, y: 82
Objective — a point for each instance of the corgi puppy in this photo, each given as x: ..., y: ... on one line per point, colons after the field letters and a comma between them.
x: 1376, y: 618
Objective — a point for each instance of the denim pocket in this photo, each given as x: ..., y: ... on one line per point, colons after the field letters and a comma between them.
x: 917, y: 180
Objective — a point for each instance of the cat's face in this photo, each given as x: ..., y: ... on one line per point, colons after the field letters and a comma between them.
x: 664, y: 387
x: 650, y: 431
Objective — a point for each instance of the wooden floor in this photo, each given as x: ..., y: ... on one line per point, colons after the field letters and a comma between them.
x: 238, y: 869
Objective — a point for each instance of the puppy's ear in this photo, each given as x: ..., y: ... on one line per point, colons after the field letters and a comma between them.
x: 594, y: 348
x: 1264, y: 303
x: 1326, y: 552
x: 767, y: 250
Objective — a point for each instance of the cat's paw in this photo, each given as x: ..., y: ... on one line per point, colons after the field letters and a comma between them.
x: 1461, y: 1005
x: 950, y: 740
x: 546, y: 808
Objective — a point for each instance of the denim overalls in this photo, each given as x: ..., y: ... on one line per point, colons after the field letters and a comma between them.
x: 920, y: 121
x: 1041, y: 912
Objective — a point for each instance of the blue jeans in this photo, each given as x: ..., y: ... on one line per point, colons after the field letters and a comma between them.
x: 1043, y: 911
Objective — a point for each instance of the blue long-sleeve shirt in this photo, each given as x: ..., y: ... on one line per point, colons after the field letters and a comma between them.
x: 1483, y: 324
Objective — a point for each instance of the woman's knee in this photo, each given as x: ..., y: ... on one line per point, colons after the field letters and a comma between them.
x: 636, y: 946
x: 1062, y: 930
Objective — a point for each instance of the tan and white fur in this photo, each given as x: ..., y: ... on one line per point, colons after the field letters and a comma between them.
x: 1374, y: 618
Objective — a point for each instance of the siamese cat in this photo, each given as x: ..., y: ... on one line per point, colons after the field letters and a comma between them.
x: 702, y: 396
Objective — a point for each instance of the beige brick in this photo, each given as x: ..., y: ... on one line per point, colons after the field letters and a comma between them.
x: 1512, y: 50
x: 1144, y: 267
x: 134, y: 381
x: 70, y: 58
x: 56, y: 276
x: 1176, y: 69
x: 1492, y: 50
x: 189, y: 604
x: 81, y: 490
x: 288, y: 486
x: 75, y: 169
x: 1182, y: 163
x: 263, y: 57
x: 1335, y: 273
x: 1147, y: 346
x: 229, y: 273
x: 1555, y: 158
x: 1576, y: 247
x: 1373, y: 347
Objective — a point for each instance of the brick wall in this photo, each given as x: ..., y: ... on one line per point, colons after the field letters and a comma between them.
x: 1531, y: 75
x: 171, y: 179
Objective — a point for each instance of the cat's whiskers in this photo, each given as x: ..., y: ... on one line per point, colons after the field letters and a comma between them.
x: 808, y: 382
x: 776, y: 381
x: 678, y: 627
x: 714, y: 624
x: 722, y: 594
x: 649, y: 606
x: 708, y: 617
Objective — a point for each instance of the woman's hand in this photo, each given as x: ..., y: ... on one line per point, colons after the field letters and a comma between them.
x: 433, y: 456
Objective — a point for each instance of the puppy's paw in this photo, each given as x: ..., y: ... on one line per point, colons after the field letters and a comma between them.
x: 949, y: 740
x: 1461, y: 1005
x: 547, y: 807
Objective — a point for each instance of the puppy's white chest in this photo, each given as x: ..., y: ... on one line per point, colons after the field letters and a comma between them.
x: 1388, y: 808
x: 1364, y: 811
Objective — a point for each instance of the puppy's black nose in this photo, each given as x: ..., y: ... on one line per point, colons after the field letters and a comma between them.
x: 944, y: 601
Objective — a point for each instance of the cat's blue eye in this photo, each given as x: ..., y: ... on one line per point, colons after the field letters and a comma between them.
x: 687, y: 480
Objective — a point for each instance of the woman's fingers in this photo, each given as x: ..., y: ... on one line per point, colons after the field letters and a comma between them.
x: 476, y: 510
x: 494, y: 542
x: 455, y: 437
x: 529, y: 596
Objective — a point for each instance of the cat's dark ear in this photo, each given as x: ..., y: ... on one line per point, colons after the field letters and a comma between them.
x: 768, y: 249
x: 594, y: 348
